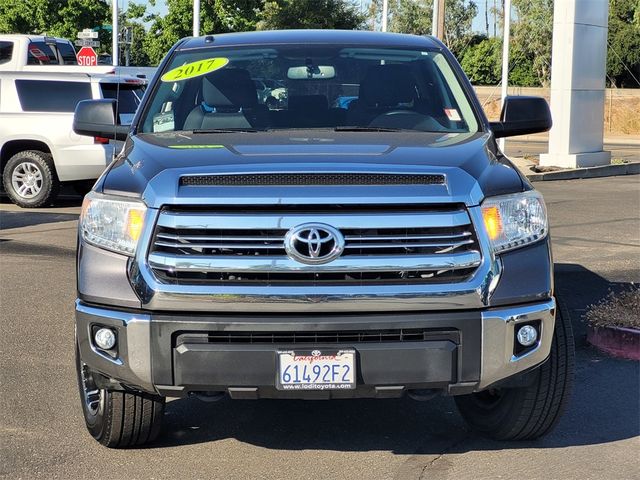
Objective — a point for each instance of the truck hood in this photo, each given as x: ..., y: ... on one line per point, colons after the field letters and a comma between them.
x: 151, y: 165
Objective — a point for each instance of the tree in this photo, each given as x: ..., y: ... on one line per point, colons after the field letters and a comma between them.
x: 414, y: 17
x: 459, y: 15
x: 409, y: 16
x: 131, y: 19
x: 623, y: 54
x: 216, y: 16
x: 289, y: 14
x: 481, y: 62
x: 60, y: 18
x: 532, y: 35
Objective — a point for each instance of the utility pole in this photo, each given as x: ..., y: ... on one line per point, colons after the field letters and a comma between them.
x: 385, y: 14
x: 437, y: 24
x: 486, y: 16
x: 196, y: 18
x: 114, y: 34
x: 506, y: 33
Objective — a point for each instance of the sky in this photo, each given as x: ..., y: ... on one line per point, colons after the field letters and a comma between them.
x: 478, y: 24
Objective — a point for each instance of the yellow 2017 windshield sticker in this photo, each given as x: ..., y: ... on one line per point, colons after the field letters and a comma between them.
x: 194, y: 69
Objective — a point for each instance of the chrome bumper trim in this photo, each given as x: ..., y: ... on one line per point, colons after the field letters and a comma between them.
x: 498, y: 332
x: 132, y: 365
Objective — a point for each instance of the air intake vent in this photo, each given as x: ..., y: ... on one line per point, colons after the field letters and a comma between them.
x: 308, y: 179
x: 319, y: 337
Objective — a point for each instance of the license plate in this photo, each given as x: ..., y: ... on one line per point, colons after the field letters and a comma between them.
x: 316, y: 370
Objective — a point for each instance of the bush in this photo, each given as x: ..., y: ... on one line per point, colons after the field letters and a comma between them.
x: 481, y: 62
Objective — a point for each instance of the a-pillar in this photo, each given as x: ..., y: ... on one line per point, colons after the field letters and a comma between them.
x: 578, y: 69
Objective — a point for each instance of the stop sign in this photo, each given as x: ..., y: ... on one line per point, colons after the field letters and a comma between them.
x: 87, y: 57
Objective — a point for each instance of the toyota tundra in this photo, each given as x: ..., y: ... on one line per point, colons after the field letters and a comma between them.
x: 362, y: 237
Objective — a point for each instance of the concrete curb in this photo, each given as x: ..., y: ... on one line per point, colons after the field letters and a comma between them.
x: 617, y: 341
x: 588, y: 172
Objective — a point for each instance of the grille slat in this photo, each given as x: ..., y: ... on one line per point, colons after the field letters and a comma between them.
x: 247, y: 247
x: 409, y: 245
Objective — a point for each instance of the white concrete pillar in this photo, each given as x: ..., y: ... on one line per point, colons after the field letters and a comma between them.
x: 578, y: 71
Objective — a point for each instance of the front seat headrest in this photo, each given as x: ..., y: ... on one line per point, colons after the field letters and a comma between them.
x: 229, y: 87
x: 387, y: 86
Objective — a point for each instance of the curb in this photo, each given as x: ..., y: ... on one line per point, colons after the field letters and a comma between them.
x: 617, y: 341
x: 588, y: 172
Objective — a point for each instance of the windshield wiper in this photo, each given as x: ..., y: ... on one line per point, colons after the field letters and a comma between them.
x: 224, y: 130
x: 368, y: 129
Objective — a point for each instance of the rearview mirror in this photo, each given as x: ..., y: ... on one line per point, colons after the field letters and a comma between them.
x: 311, y: 72
x: 97, y: 118
x: 522, y: 116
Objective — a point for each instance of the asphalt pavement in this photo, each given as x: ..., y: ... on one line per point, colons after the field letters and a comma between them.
x: 596, y: 238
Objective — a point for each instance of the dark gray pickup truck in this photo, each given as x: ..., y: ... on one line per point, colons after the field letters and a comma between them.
x: 359, y: 236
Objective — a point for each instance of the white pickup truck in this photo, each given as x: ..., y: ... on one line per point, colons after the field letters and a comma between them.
x: 38, y: 148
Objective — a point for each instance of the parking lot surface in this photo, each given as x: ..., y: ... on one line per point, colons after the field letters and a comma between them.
x: 596, y: 233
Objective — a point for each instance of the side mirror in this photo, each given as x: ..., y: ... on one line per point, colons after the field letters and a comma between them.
x: 521, y: 116
x: 97, y: 118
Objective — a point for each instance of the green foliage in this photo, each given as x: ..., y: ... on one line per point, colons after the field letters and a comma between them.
x: 481, y: 62
x: 60, y: 18
x: 459, y: 15
x: 216, y: 16
x: 624, y: 43
x: 289, y: 14
x: 532, y: 37
x: 415, y: 17
x: 132, y: 18
x: 408, y: 16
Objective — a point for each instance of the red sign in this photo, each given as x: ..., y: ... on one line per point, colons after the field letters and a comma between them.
x: 87, y: 57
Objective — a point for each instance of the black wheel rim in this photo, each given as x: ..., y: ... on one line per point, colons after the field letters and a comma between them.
x: 92, y: 396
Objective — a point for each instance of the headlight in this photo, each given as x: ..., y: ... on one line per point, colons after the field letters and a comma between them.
x: 113, y: 224
x: 512, y: 221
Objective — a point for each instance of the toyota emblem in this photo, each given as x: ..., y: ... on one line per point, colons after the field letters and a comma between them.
x: 314, y: 243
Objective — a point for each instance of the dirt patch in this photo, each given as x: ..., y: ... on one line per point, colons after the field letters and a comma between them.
x: 621, y: 309
x: 620, y: 114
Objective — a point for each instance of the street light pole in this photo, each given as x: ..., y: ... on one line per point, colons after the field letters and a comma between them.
x: 114, y: 34
x: 437, y: 22
x: 385, y: 14
x: 196, y: 18
x: 505, y: 59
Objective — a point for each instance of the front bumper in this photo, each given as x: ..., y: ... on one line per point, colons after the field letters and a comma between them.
x: 460, y: 352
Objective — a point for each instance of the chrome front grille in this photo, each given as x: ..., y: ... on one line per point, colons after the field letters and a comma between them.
x: 415, y: 245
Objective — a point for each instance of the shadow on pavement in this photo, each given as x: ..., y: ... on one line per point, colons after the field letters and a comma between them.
x: 25, y: 218
x: 604, y: 407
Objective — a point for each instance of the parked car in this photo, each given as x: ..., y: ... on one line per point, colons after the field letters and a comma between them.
x: 19, y: 51
x: 383, y: 249
x: 38, y: 149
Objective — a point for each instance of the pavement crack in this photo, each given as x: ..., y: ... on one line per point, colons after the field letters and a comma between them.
x: 429, y: 465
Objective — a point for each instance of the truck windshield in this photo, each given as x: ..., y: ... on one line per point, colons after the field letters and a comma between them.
x: 309, y: 86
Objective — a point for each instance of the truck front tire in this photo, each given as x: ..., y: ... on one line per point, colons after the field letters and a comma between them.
x: 30, y: 179
x: 118, y: 419
x: 526, y: 413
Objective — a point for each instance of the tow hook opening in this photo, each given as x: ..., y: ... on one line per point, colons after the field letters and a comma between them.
x: 208, y: 396
x: 424, y: 394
